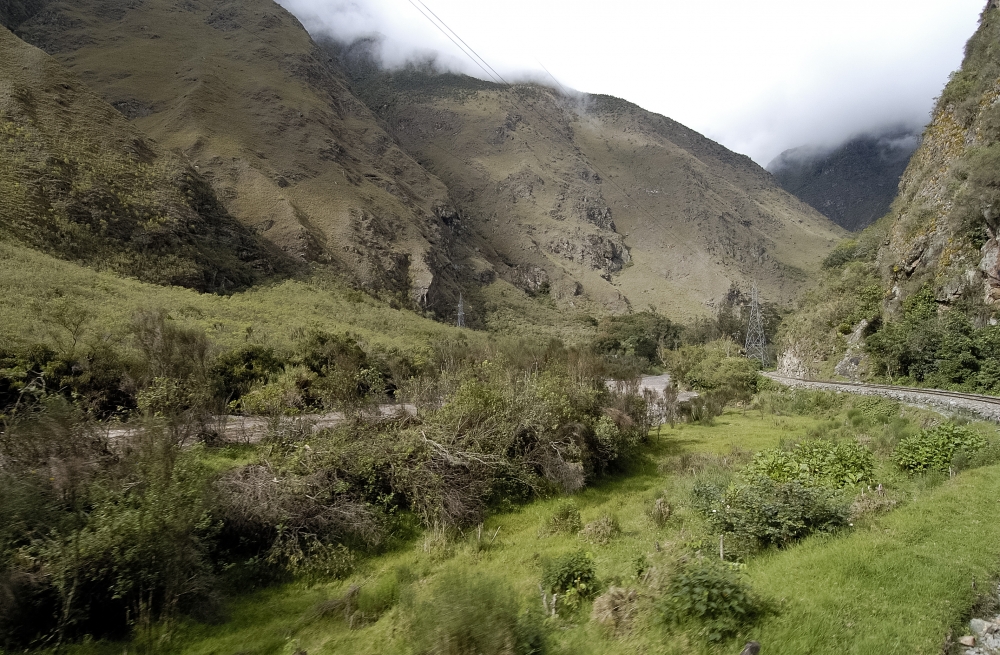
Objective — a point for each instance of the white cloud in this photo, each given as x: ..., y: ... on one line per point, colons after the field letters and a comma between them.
x: 759, y: 77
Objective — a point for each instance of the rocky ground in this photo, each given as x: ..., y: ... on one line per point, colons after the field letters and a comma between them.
x: 984, y: 634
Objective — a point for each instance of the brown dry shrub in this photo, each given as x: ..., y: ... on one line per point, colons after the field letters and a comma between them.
x: 615, y: 608
x: 660, y: 512
x: 602, y: 530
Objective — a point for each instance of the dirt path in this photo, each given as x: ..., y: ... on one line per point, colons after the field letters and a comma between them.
x: 251, y: 429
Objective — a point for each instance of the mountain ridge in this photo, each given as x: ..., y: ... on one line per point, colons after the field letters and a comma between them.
x: 563, y: 137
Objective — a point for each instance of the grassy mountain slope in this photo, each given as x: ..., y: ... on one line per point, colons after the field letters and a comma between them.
x: 77, y: 181
x: 242, y: 91
x: 47, y: 300
x: 855, y: 183
x: 678, y: 220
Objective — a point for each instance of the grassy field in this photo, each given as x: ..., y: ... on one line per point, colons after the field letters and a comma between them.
x: 897, y: 583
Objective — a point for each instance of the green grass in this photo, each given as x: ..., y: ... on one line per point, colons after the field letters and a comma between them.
x: 38, y: 293
x: 896, y: 584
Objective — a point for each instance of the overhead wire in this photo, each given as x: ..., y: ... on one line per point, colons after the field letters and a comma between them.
x: 495, y: 77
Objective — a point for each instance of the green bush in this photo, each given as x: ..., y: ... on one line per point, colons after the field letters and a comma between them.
x: 237, y: 371
x: 935, y: 448
x: 565, y: 520
x: 463, y: 614
x: 768, y: 513
x: 710, y: 594
x: 638, y: 335
x: 816, y: 462
x: 844, y: 252
x: 572, y: 573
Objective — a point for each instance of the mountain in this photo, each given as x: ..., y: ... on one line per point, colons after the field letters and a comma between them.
x: 78, y: 181
x: 852, y: 184
x: 591, y: 195
x: 422, y: 185
x: 240, y: 90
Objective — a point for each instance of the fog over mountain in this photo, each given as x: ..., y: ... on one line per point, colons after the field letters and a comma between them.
x: 853, y: 184
x: 760, y: 78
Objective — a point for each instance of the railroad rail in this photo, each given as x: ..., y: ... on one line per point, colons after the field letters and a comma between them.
x: 987, y: 407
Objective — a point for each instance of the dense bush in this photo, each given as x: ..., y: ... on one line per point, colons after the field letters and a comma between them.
x: 463, y: 614
x: 768, y: 513
x: 570, y: 575
x: 638, y: 335
x: 717, y: 367
x: 817, y: 462
x: 94, y: 541
x: 102, y: 536
x: 934, y: 449
x: 944, y: 350
x: 710, y: 595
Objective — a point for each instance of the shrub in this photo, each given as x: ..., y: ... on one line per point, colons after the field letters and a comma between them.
x: 615, y: 608
x: 660, y: 512
x: 816, y: 462
x: 238, y: 370
x: 636, y: 335
x: 769, y: 513
x: 710, y: 594
x: 876, y: 410
x: 602, y: 531
x: 572, y: 573
x: 565, y: 520
x: 844, y: 252
x: 462, y: 614
x: 934, y: 449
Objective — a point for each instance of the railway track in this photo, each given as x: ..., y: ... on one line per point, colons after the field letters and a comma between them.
x: 987, y: 407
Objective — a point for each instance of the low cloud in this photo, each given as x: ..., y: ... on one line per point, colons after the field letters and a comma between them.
x: 758, y: 77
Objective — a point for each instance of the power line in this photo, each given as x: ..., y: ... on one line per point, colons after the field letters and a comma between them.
x: 494, y: 76
x: 445, y: 30
x: 498, y: 76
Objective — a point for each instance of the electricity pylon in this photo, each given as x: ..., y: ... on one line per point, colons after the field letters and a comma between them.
x: 755, y: 330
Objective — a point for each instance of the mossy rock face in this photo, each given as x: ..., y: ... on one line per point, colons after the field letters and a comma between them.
x: 77, y: 181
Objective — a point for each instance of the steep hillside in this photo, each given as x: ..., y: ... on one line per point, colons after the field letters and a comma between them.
x: 853, y: 184
x: 914, y: 298
x: 77, y: 181
x: 593, y: 196
x: 943, y: 231
x: 240, y: 89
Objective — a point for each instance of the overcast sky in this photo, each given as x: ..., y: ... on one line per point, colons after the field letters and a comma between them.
x: 757, y: 76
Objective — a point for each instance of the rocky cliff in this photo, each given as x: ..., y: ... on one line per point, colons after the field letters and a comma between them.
x: 944, y: 224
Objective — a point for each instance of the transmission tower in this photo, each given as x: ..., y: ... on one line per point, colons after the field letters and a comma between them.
x: 755, y: 330
x: 461, y: 311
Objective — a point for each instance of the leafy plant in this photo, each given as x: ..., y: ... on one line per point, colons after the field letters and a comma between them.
x: 710, y: 594
x: 769, y: 513
x: 816, y: 462
x: 571, y: 573
x: 935, y: 448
